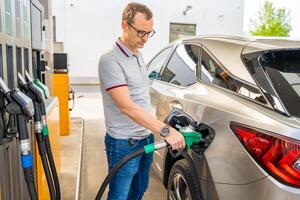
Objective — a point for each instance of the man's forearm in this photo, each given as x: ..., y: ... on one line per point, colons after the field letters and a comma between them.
x: 137, y: 114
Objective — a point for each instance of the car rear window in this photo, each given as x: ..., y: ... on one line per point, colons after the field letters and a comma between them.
x: 281, y: 70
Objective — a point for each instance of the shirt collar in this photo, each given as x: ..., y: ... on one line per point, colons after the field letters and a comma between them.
x: 125, y: 50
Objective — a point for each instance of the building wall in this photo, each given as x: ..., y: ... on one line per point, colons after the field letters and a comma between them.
x: 89, y: 28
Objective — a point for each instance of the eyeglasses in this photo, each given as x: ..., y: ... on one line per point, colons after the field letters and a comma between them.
x: 141, y: 33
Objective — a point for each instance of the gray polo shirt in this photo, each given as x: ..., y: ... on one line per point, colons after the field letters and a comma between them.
x: 119, y: 67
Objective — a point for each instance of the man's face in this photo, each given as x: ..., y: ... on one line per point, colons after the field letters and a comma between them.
x: 140, y: 24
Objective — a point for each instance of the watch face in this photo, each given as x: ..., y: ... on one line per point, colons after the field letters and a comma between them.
x: 165, y: 131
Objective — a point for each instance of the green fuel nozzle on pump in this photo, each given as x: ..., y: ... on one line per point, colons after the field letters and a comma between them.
x: 190, y: 137
x: 39, y: 85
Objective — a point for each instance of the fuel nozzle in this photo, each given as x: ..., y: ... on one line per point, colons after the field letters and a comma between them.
x: 34, y: 92
x: 39, y: 85
x: 21, y: 106
x: 190, y: 136
x: 37, y: 96
x: 198, y: 136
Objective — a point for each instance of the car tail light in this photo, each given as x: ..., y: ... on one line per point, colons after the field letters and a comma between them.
x: 279, y: 156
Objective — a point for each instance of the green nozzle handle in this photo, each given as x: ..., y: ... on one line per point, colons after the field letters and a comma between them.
x: 155, y: 146
x: 190, y: 136
x: 42, y: 87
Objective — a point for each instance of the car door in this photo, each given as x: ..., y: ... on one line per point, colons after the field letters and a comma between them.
x: 174, y: 86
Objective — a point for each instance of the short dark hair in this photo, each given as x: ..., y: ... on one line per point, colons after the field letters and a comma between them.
x: 132, y: 8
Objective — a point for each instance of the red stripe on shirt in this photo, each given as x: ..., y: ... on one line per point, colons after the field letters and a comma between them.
x: 122, y: 49
x: 116, y: 86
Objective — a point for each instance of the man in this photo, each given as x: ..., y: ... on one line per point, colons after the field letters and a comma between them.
x: 126, y: 102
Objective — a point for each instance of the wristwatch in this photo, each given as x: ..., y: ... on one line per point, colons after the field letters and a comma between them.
x: 164, y: 131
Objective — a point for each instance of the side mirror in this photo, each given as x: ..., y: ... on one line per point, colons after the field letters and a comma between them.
x: 154, y: 75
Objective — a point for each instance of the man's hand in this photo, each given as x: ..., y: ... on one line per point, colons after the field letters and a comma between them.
x: 175, y: 139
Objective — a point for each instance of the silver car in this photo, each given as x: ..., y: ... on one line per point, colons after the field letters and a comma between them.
x: 247, y: 90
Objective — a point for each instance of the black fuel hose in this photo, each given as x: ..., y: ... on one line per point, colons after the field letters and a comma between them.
x: 116, y: 168
x: 42, y: 152
x: 52, y: 167
x: 49, y: 152
x: 41, y: 147
x: 29, y: 179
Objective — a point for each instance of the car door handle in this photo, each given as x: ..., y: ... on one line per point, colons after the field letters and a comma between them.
x: 175, y: 104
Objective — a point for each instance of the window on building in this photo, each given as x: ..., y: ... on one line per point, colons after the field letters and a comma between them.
x: 178, y: 31
x: 10, y: 67
x: 157, y: 63
x: 18, y: 17
x: 181, y: 68
x: 8, y: 17
x: 19, y: 60
x: 26, y: 59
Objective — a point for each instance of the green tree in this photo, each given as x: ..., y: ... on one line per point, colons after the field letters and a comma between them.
x: 271, y: 21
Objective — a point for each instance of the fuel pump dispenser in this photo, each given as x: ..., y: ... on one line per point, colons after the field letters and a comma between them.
x: 41, y: 128
x: 21, y: 106
x: 191, y: 131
